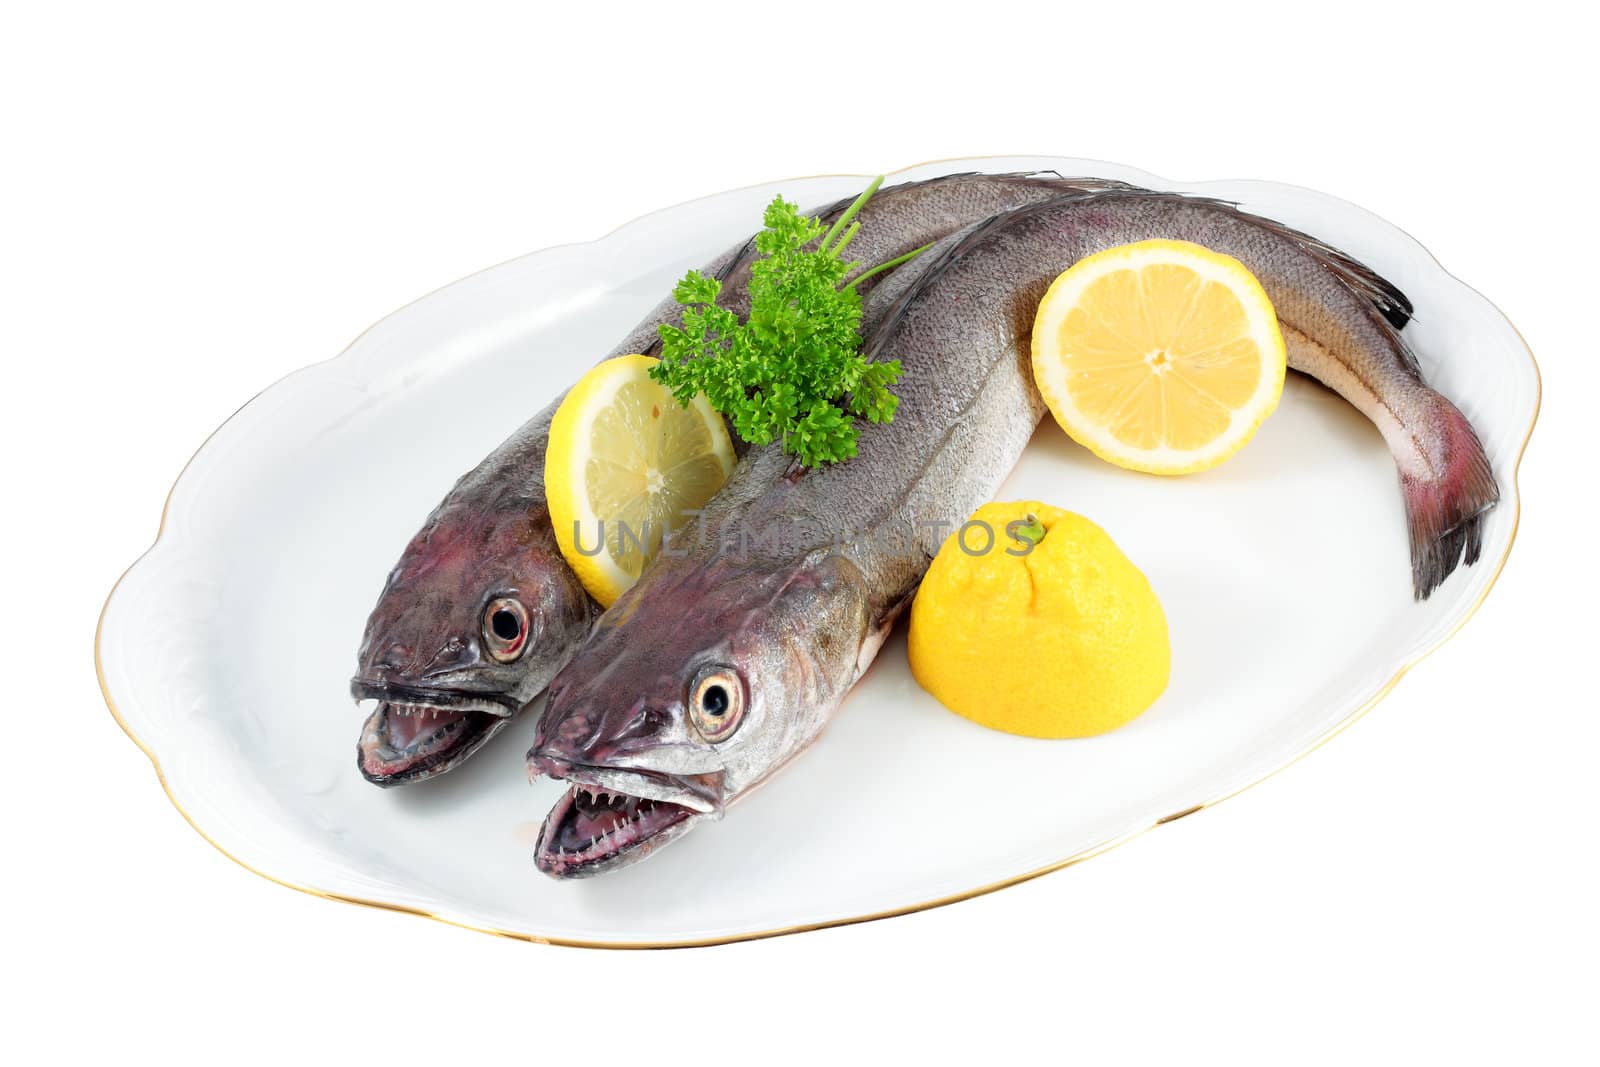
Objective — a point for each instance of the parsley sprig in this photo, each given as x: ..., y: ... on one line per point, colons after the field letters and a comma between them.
x: 792, y: 371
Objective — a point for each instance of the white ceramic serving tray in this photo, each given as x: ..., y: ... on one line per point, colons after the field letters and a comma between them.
x: 1284, y: 574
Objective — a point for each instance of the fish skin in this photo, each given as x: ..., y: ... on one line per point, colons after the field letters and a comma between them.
x: 801, y: 610
x: 492, y: 536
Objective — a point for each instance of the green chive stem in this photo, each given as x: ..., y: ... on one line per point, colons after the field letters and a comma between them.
x: 913, y: 254
x: 849, y: 235
x: 849, y: 213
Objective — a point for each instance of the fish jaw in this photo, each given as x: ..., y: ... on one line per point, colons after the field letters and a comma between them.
x: 415, y: 733
x: 401, y: 744
x: 610, y: 818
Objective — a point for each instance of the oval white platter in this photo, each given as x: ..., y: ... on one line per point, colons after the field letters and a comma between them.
x: 1284, y: 574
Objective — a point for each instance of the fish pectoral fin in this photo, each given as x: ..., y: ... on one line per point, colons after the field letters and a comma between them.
x: 879, y: 626
x: 884, y: 619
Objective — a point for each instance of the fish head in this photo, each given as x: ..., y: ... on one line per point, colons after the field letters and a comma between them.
x: 474, y: 621
x: 696, y: 685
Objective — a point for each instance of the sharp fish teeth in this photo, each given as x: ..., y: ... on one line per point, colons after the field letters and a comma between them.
x: 409, y: 710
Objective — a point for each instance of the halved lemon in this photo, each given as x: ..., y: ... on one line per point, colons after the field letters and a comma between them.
x: 625, y: 462
x: 1161, y: 356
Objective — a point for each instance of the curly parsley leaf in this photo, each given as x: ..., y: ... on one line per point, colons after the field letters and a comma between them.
x: 792, y: 371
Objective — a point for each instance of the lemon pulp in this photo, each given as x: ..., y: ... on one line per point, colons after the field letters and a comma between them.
x: 625, y: 463
x: 1161, y: 356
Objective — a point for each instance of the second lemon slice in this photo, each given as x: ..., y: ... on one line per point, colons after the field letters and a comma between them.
x: 625, y: 462
x: 1161, y: 356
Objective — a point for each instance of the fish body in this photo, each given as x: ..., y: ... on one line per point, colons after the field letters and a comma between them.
x: 481, y: 610
x: 742, y: 638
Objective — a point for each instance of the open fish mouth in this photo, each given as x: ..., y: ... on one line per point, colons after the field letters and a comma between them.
x: 592, y: 830
x: 410, y: 742
x: 415, y: 734
x: 610, y: 817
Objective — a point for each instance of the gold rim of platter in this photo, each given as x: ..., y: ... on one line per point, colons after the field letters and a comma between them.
x: 909, y: 909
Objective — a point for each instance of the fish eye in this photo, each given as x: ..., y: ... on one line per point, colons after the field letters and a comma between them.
x: 505, y: 628
x: 716, y: 704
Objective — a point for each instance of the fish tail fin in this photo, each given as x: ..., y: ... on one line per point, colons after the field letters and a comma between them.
x: 1445, y: 511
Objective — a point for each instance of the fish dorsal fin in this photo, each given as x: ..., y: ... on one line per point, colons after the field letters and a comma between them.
x: 1391, y: 303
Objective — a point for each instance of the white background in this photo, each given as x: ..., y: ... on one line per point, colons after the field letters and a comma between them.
x: 199, y: 199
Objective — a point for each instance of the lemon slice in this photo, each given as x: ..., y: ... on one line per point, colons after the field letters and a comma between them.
x: 1161, y: 356
x: 625, y: 461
